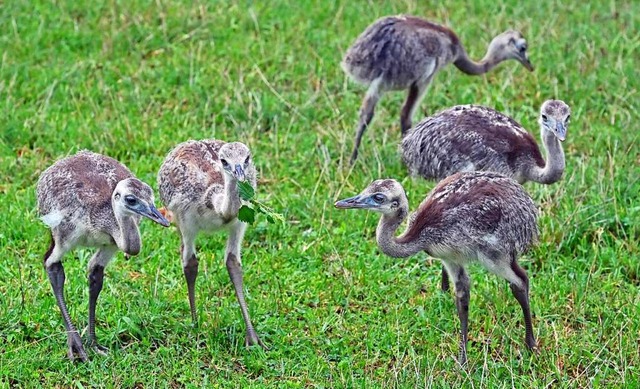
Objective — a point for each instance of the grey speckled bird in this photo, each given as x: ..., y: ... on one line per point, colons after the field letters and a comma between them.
x: 91, y: 200
x: 477, y: 138
x: 198, y: 184
x: 469, y: 137
x: 479, y: 217
x: 405, y: 52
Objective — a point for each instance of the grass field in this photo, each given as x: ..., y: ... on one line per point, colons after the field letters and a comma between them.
x: 132, y: 79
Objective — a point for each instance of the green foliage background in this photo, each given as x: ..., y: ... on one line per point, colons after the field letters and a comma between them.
x: 132, y: 79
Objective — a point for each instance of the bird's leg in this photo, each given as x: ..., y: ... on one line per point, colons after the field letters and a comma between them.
x: 234, y: 267
x: 521, y: 293
x: 519, y: 283
x: 462, y: 286
x: 235, y: 273
x: 414, y: 96
x: 366, y: 115
x: 444, y: 281
x: 96, y: 275
x: 55, y: 271
x: 190, y: 269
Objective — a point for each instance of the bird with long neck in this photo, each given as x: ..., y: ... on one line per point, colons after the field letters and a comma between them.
x: 230, y: 201
x: 91, y: 200
x: 198, y: 184
x: 477, y: 138
x: 471, y: 217
x: 508, y: 45
x: 405, y: 52
x: 554, y: 122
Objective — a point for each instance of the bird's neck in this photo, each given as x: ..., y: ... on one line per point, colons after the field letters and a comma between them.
x: 469, y: 66
x: 387, y: 241
x: 128, y: 236
x: 555, y: 163
x: 231, y: 199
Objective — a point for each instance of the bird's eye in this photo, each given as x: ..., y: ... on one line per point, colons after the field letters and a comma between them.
x: 567, y: 119
x: 378, y: 198
x: 224, y: 162
x: 246, y: 161
x: 521, y: 45
x: 544, y: 118
x: 130, y: 200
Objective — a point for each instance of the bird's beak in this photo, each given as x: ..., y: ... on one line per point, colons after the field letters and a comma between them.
x: 561, y: 131
x: 152, y: 213
x: 524, y: 60
x: 239, y: 173
x: 351, y: 202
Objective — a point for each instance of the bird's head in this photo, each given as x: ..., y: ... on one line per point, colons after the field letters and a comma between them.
x: 510, y: 45
x: 554, y: 117
x: 235, y: 159
x: 384, y: 196
x: 132, y: 197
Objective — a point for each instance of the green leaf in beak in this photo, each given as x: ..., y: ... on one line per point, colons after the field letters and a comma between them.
x: 246, y: 191
x: 247, y: 214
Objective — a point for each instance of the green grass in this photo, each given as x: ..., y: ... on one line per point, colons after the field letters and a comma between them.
x: 132, y: 79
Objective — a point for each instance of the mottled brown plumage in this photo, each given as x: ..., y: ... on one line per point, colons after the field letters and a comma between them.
x: 405, y: 52
x: 198, y: 184
x: 470, y: 137
x: 190, y: 170
x: 91, y: 200
x: 471, y: 217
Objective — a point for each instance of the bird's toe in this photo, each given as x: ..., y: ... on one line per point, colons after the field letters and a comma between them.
x: 76, y: 348
x: 462, y: 360
x: 98, y: 349
x: 252, y: 339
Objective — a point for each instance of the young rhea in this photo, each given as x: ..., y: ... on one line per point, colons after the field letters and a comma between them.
x: 471, y: 137
x: 405, y: 52
x: 198, y: 184
x: 479, y: 217
x: 91, y: 200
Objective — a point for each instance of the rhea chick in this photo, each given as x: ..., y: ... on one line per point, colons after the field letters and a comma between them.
x: 198, y: 184
x: 477, y: 217
x: 91, y: 200
x: 472, y: 137
x: 405, y: 52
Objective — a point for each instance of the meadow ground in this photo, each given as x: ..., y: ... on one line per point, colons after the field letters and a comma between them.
x: 132, y: 79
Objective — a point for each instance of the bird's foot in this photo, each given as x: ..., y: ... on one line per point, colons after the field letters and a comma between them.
x: 252, y: 339
x: 533, y: 347
x: 99, y: 349
x: 353, y: 158
x: 194, y: 319
x: 462, y: 360
x: 75, y: 347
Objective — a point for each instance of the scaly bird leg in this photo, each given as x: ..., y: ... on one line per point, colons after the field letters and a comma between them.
x: 55, y: 271
x: 190, y: 269
x: 521, y: 293
x: 414, y: 96
x: 235, y: 273
x: 462, y: 287
x: 234, y: 267
x: 96, y: 275
x: 366, y: 115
